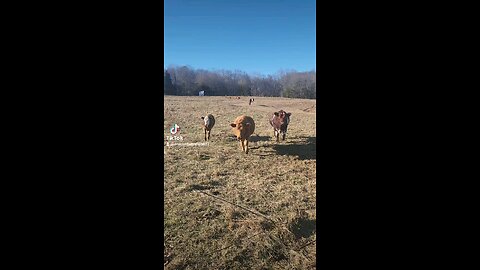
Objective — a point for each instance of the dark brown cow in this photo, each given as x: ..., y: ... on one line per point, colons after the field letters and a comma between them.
x: 279, y: 122
x: 243, y: 127
x: 209, y: 122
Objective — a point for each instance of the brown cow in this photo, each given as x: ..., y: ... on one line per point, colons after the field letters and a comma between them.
x: 279, y: 122
x: 243, y: 127
x: 209, y: 122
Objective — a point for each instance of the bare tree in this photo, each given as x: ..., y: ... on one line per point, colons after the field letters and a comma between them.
x: 188, y: 81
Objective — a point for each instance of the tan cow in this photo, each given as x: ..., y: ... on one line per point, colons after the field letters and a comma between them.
x: 243, y: 127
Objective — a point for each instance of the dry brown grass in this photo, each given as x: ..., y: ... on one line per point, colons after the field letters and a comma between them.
x: 275, y: 179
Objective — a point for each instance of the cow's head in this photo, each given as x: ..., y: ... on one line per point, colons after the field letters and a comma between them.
x: 283, y: 116
x: 240, y: 130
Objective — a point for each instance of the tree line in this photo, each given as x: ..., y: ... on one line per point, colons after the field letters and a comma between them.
x: 186, y: 81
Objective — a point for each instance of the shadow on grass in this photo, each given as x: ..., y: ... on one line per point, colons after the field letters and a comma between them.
x: 193, y: 187
x: 303, y: 227
x: 257, y: 138
x: 204, y: 186
x: 304, y: 150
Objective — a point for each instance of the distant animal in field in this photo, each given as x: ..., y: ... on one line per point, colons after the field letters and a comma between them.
x: 243, y: 127
x: 279, y: 122
x: 251, y: 101
x: 208, y: 123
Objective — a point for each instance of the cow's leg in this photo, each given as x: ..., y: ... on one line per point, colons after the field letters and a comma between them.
x: 209, y: 135
x: 278, y: 135
x: 205, y: 133
x: 243, y: 145
x: 283, y: 136
x: 246, y: 147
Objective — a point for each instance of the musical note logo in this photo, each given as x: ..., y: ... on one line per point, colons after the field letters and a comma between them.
x: 175, y: 129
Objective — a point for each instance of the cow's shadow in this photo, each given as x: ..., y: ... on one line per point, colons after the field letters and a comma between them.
x: 257, y: 138
x: 304, y: 149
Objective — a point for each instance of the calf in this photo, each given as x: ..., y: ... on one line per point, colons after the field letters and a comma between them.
x: 209, y: 122
x: 243, y: 127
x: 279, y: 123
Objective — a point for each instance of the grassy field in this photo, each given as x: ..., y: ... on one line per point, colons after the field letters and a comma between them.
x: 225, y: 209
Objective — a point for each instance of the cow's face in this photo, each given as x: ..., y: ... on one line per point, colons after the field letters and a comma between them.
x: 240, y: 130
x: 283, y: 116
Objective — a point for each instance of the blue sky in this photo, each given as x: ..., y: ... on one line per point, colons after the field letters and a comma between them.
x: 259, y: 36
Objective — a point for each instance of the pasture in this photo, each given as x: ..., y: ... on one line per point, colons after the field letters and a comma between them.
x: 224, y: 209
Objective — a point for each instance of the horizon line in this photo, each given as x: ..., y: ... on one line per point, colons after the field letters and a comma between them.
x: 251, y: 72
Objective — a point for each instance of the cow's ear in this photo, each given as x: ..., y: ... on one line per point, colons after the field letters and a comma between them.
x: 202, y: 117
x: 275, y: 113
x: 233, y: 125
x: 289, y: 114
